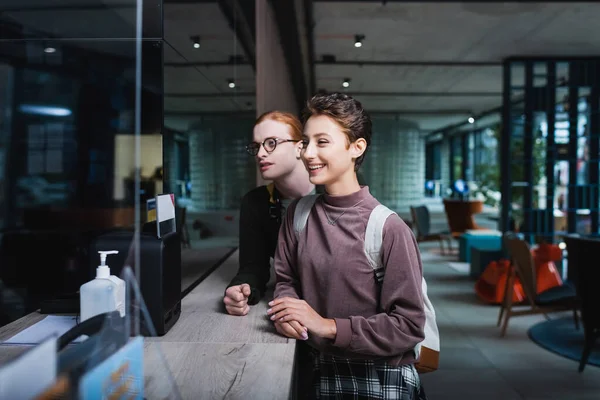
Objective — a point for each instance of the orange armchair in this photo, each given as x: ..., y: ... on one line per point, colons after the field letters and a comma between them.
x: 459, y: 214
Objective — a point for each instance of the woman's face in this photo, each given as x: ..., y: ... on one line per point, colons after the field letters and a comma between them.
x: 327, y: 153
x: 281, y: 161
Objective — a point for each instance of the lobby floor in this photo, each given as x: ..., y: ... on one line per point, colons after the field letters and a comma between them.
x: 476, y: 363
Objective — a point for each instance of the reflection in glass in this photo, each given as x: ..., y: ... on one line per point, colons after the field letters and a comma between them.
x: 66, y: 119
x: 90, y: 19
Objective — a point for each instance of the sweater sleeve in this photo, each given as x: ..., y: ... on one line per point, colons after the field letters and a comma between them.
x: 400, y: 327
x: 287, y: 283
x: 254, y: 255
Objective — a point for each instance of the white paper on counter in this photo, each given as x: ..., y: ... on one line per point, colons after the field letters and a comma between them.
x: 51, y: 325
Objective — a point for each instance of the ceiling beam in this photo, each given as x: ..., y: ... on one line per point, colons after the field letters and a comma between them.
x: 188, y: 1
x: 240, y: 17
x: 287, y: 25
x: 452, y: 127
x: 209, y: 95
x: 426, y: 94
x: 383, y: 2
x: 374, y: 112
x: 364, y: 94
x: 364, y: 63
x: 422, y: 112
x: 205, y: 64
x: 237, y: 113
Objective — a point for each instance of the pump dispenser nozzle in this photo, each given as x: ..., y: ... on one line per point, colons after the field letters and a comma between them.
x: 103, y: 255
x: 103, y: 271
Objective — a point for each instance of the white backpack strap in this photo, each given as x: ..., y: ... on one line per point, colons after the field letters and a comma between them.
x: 302, y: 212
x: 428, y: 351
x: 373, y: 244
x: 374, y: 239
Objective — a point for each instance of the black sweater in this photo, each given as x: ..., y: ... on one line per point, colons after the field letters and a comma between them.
x: 260, y: 219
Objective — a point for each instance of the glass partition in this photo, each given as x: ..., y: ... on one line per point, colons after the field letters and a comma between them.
x: 75, y: 100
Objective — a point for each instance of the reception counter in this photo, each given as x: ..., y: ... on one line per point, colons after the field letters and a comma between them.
x: 211, y: 355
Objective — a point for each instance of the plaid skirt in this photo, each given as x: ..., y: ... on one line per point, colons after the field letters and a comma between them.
x: 341, y: 378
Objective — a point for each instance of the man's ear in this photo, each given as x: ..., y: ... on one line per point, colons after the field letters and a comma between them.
x: 358, y: 147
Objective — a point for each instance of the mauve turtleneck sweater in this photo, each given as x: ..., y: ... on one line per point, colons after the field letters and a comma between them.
x: 327, y: 267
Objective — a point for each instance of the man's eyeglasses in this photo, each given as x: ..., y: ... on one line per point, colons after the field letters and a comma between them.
x: 269, y: 144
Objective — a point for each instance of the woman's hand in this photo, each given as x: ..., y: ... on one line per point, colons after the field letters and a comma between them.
x: 292, y: 329
x: 286, y: 309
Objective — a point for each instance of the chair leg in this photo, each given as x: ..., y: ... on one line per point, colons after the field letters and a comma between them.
x: 587, y: 349
x: 500, y: 315
x: 507, y: 301
x: 505, y: 324
x: 504, y: 303
x: 546, y: 316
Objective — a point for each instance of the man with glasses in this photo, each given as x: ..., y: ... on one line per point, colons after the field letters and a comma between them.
x: 276, y: 145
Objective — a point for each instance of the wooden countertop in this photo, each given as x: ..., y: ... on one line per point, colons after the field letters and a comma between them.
x: 210, y: 354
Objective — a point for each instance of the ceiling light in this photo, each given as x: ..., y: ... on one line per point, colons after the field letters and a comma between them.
x: 346, y: 82
x: 49, y: 50
x: 196, y: 41
x: 231, y: 83
x: 471, y: 120
x: 358, y: 40
x: 51, y: 111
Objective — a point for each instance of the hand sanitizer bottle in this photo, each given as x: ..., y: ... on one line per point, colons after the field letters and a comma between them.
x: 104, y: 294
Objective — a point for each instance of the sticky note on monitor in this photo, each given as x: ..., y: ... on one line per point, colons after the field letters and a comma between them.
x: 150, y: 210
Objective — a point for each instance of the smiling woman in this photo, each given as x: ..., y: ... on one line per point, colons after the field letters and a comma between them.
x: 368, y: 339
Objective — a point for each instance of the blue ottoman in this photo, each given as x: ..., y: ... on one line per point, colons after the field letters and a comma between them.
x: 481, y: 239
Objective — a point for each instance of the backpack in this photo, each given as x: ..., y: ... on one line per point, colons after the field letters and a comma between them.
x: 427, y: 352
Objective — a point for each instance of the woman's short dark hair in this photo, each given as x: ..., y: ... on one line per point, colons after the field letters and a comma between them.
x: 347, y: 112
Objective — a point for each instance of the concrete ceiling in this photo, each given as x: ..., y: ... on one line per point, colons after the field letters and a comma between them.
x: 433, y: 63
x: 442, y: 57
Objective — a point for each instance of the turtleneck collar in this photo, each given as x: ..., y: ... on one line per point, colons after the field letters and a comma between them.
x: 347, y: 200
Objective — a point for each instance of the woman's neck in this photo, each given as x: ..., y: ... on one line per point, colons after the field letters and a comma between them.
x: 345, y: 185
x: 294, y: 185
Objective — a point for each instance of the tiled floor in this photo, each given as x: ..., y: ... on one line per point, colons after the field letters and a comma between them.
x: 476, y: 363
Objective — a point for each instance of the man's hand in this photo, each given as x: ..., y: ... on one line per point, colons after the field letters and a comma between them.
x: 287, y: 309
x: 236, y: 299
x: 292, y: 330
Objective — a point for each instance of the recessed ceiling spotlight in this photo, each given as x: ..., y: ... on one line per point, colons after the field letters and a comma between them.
x: 49, y: 50
x: 471, y: 120
x: 346, y: 82
x: 231, y: 83
x: 196, y: 41
x: 358, y: 40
